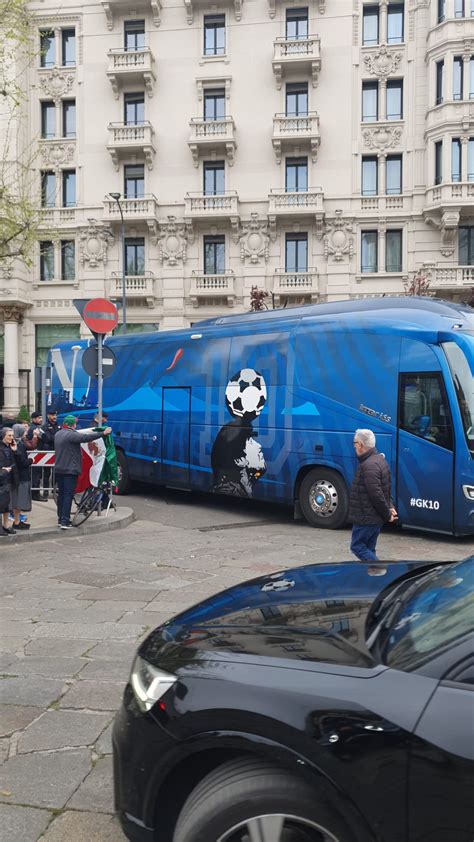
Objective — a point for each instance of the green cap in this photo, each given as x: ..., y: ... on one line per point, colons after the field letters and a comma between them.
x: 70, y: 420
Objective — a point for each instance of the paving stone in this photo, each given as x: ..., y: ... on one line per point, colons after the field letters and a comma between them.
x: 12, y: 628
x: 47, y: 665
x: 6, y: 660
x: 96, y: 792
x: 123, y: 650
x: 84, y: 827
x: 94, y: 695
x: 44, y: 779
x: 132, y: 594
x: 85, y: 630
x: 62, y: 729
x: 22, y: 824
x: 5, y: 748
x: 31, y: 690
x: 107, y: 670
x: 151, y: 619
x: 104, y: 743
x: 91, y: 578
x: 59, y: 648
x: 16, y: 717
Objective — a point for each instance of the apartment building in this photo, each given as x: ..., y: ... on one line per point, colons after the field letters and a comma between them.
x: 320, y: 149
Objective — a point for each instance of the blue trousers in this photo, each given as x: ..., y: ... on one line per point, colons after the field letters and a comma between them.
x: 364, y: 540
x: 66, y: 485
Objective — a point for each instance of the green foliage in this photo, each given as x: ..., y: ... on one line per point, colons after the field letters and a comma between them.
x: 23, y: 414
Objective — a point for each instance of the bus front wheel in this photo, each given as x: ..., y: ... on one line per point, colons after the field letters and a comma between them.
x: 124, y: 482
x: 324, y: 498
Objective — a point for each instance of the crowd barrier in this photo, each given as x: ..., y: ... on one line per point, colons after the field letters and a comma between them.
x: 42, y: 471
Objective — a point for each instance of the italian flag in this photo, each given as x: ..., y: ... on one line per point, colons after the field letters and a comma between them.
x: 99, y: 462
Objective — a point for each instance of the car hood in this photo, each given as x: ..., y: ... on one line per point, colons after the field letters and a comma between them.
x: 313, y: 613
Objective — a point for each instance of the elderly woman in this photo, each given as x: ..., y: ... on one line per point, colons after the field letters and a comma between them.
x: 20, y: 500
x: 7, y: 475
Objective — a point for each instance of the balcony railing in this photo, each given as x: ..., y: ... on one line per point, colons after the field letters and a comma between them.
x: 132, y: 209
x: 212, y: 134
x: 451, y: 277
x: 202, y: 205
x: 452, y: 193
x: 281, y: 202
x: 297, y: 284
x: 52, y: 217
x: 125, y: 140
x: 298, y: 54
x: 136, y: 286
x: 213, y: 286
x: 300, y: 130
x: 129, y: 66
x: 383, y: 203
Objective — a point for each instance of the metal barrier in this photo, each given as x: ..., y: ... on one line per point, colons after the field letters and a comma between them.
x: 42, y: 471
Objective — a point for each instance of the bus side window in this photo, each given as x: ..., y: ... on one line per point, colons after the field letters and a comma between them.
x: 423, y: 408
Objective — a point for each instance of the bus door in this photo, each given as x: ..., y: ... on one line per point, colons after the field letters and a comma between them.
x: 175, y: 437
x: 425, y: 455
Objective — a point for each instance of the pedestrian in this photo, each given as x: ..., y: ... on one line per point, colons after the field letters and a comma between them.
x: 49, y: 428
x: 20, y: 498
x: 370, y: 504
x: 68, y: 464
x: 33, y: 441
x: 7, y: 477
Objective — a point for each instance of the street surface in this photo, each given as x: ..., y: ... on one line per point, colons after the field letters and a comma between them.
x: 72, y: 612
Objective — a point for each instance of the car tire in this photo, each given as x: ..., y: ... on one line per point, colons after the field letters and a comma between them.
x: 246, y: 790
x: 324, y: 498
x: 124, y: 483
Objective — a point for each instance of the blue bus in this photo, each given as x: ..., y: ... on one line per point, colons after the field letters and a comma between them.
x: 265, y: 405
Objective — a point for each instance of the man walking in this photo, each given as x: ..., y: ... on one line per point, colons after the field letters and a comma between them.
x: 370, y: 504
x: 68, y: 464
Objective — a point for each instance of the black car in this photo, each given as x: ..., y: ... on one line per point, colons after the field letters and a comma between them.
x: 320, y: 704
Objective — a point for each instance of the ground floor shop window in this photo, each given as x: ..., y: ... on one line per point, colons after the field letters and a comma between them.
x: 49, y: 335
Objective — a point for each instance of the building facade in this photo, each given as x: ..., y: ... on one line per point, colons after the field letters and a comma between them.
x: 319, y: 150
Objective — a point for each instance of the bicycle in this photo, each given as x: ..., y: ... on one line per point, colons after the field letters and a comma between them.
x: 94, y: 499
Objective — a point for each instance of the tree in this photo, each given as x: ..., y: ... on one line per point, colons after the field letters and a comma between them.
x: 419, y: 285
x: 257, y: 299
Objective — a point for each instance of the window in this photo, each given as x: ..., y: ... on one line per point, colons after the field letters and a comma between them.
x: 214, y: 255
x: 46, y: 260
x: 470, y: 159
x: 69, y: 118
x: 48, y: 119
x: 393, y: 179
x: 134, y: 35
x: 369, y: 251
x: 395, y: 99
x: 134, y: 109
x: 471, y: 77
x: 370, y: 26
x: 214, y: 104
x: 464, y: 387
x: 49, y: 335
x: 466, y: 245
x: 395, y: 26
x: 456, y: 159
x: 296, y: 100
x: 214, y: 178
x: 441, y: 11
x: 296, y: 175
x: 370, y: 104
x: 369, y: 176
x: 68, y: 47
x: 47, y: 48
x: 459, y: 9
x: 69, y: 188
x: 214, y: 35
x: 423, y: 409
x: 458, y: 77
x: 393, y: 251
x: 134, y: 181
x: 296, y: 24
x: 134, y: 250
x: 296, y: 253
x: 439, y: 82
x: 48, y: 189
x: 68, y: 260
x: 438, y: 149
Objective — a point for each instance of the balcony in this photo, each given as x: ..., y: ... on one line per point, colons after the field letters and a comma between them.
x: 57, y: 217
x: 134, y: 210
x: 300, y: 55
x: 212, y: 136
x: 131, y: 66
x: 381, y: 204
x: 452, y: 194
x: 225, y: 206
x: 449, y: 278
x: 137, y: 287
x: 294, y: 205
x: 125, y: 140
x: 450, y: 115
x: 297, y: 131
x: 302, y: 286
x: 116, y: 8
x: 212, y: 286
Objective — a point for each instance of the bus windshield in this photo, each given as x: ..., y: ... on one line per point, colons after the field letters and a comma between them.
x: 464, y: 385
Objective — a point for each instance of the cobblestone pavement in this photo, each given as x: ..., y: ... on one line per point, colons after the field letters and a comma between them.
x: 72, y: 612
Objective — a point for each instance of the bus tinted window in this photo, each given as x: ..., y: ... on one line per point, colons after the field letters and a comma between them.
x: 424, y: 410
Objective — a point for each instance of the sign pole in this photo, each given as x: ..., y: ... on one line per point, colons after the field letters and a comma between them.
x: 100, y: 376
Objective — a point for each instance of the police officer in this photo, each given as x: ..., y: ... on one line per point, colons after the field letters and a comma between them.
x: 49, y: 428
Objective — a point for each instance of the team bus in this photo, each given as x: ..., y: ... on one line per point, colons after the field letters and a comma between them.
x: 265, y: 405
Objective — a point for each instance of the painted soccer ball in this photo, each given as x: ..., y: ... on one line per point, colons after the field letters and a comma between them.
x: 246, y: 394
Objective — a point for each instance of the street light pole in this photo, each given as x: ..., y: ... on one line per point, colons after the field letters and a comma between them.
x: 116, y: 198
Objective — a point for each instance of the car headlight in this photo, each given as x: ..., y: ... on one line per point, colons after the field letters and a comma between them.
x: 149, y: 683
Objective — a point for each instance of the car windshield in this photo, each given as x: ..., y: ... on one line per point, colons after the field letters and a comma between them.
x: 464, y: 385
x: 432, y: 616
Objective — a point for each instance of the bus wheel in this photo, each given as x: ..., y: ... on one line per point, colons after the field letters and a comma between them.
x: 324, y: 499
x: 124, y: 482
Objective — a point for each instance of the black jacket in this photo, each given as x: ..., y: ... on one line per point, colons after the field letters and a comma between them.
x: 370, y: 497
x: 68, y: 458
x: 49, y: 431
x: 23, y: 464
x: 7, y: 460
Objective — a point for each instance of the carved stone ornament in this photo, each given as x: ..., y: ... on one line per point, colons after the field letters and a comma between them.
x: 56, y: 154
x: 254, y: 240
x: 6, y: 268
x: 93, y: 244
x: 383, y: 62
x: 56, y: 83
x: 338, y: 237
x: 447, y: 224
x: 173, y: 241
x: 382, y: 138
x: 11, y: 313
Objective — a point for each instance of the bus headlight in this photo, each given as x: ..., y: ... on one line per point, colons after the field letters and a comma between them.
x: 468, y: 491
x: 149, y: 683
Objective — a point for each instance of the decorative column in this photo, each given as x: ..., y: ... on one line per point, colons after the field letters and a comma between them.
x: 383, y: 22
x: 381, y: 250
x: 466, y: 70
x: 464, y: 161
x: 383, y: 99
x: 382, y: 176
x: 12, y: 316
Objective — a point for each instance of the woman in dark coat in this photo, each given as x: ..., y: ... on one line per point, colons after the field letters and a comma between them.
x: 20, y: 500
x: 8, y: 473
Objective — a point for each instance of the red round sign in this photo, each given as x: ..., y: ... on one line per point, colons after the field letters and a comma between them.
x: 100, y: 315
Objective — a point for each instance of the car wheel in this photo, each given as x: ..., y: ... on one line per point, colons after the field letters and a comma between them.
x: 324, y: 498
x: 124, y: 481
x: 248, y: 800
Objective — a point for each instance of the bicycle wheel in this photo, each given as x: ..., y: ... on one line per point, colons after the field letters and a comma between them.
x: 87, y: 505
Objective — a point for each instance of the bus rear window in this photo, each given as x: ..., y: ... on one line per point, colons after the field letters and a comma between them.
x: 464, y: 386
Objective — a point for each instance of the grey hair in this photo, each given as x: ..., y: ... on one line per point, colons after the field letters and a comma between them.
x: 18, y: 431
x: 366, y: 437
x: 4, y: 431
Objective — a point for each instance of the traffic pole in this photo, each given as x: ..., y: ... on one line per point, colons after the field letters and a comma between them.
x: 100, y: 337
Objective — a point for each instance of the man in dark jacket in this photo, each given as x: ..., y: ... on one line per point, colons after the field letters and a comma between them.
x: 370, y: 504
x: 68, y: 464
x: 49, y: 430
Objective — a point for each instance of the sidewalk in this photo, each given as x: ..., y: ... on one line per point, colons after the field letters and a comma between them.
x: 44, y: 524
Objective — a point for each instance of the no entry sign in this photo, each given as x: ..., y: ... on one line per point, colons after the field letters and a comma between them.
x: 100, y: 315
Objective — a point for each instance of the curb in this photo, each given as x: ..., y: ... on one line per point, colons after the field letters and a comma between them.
x: 124, y: 517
